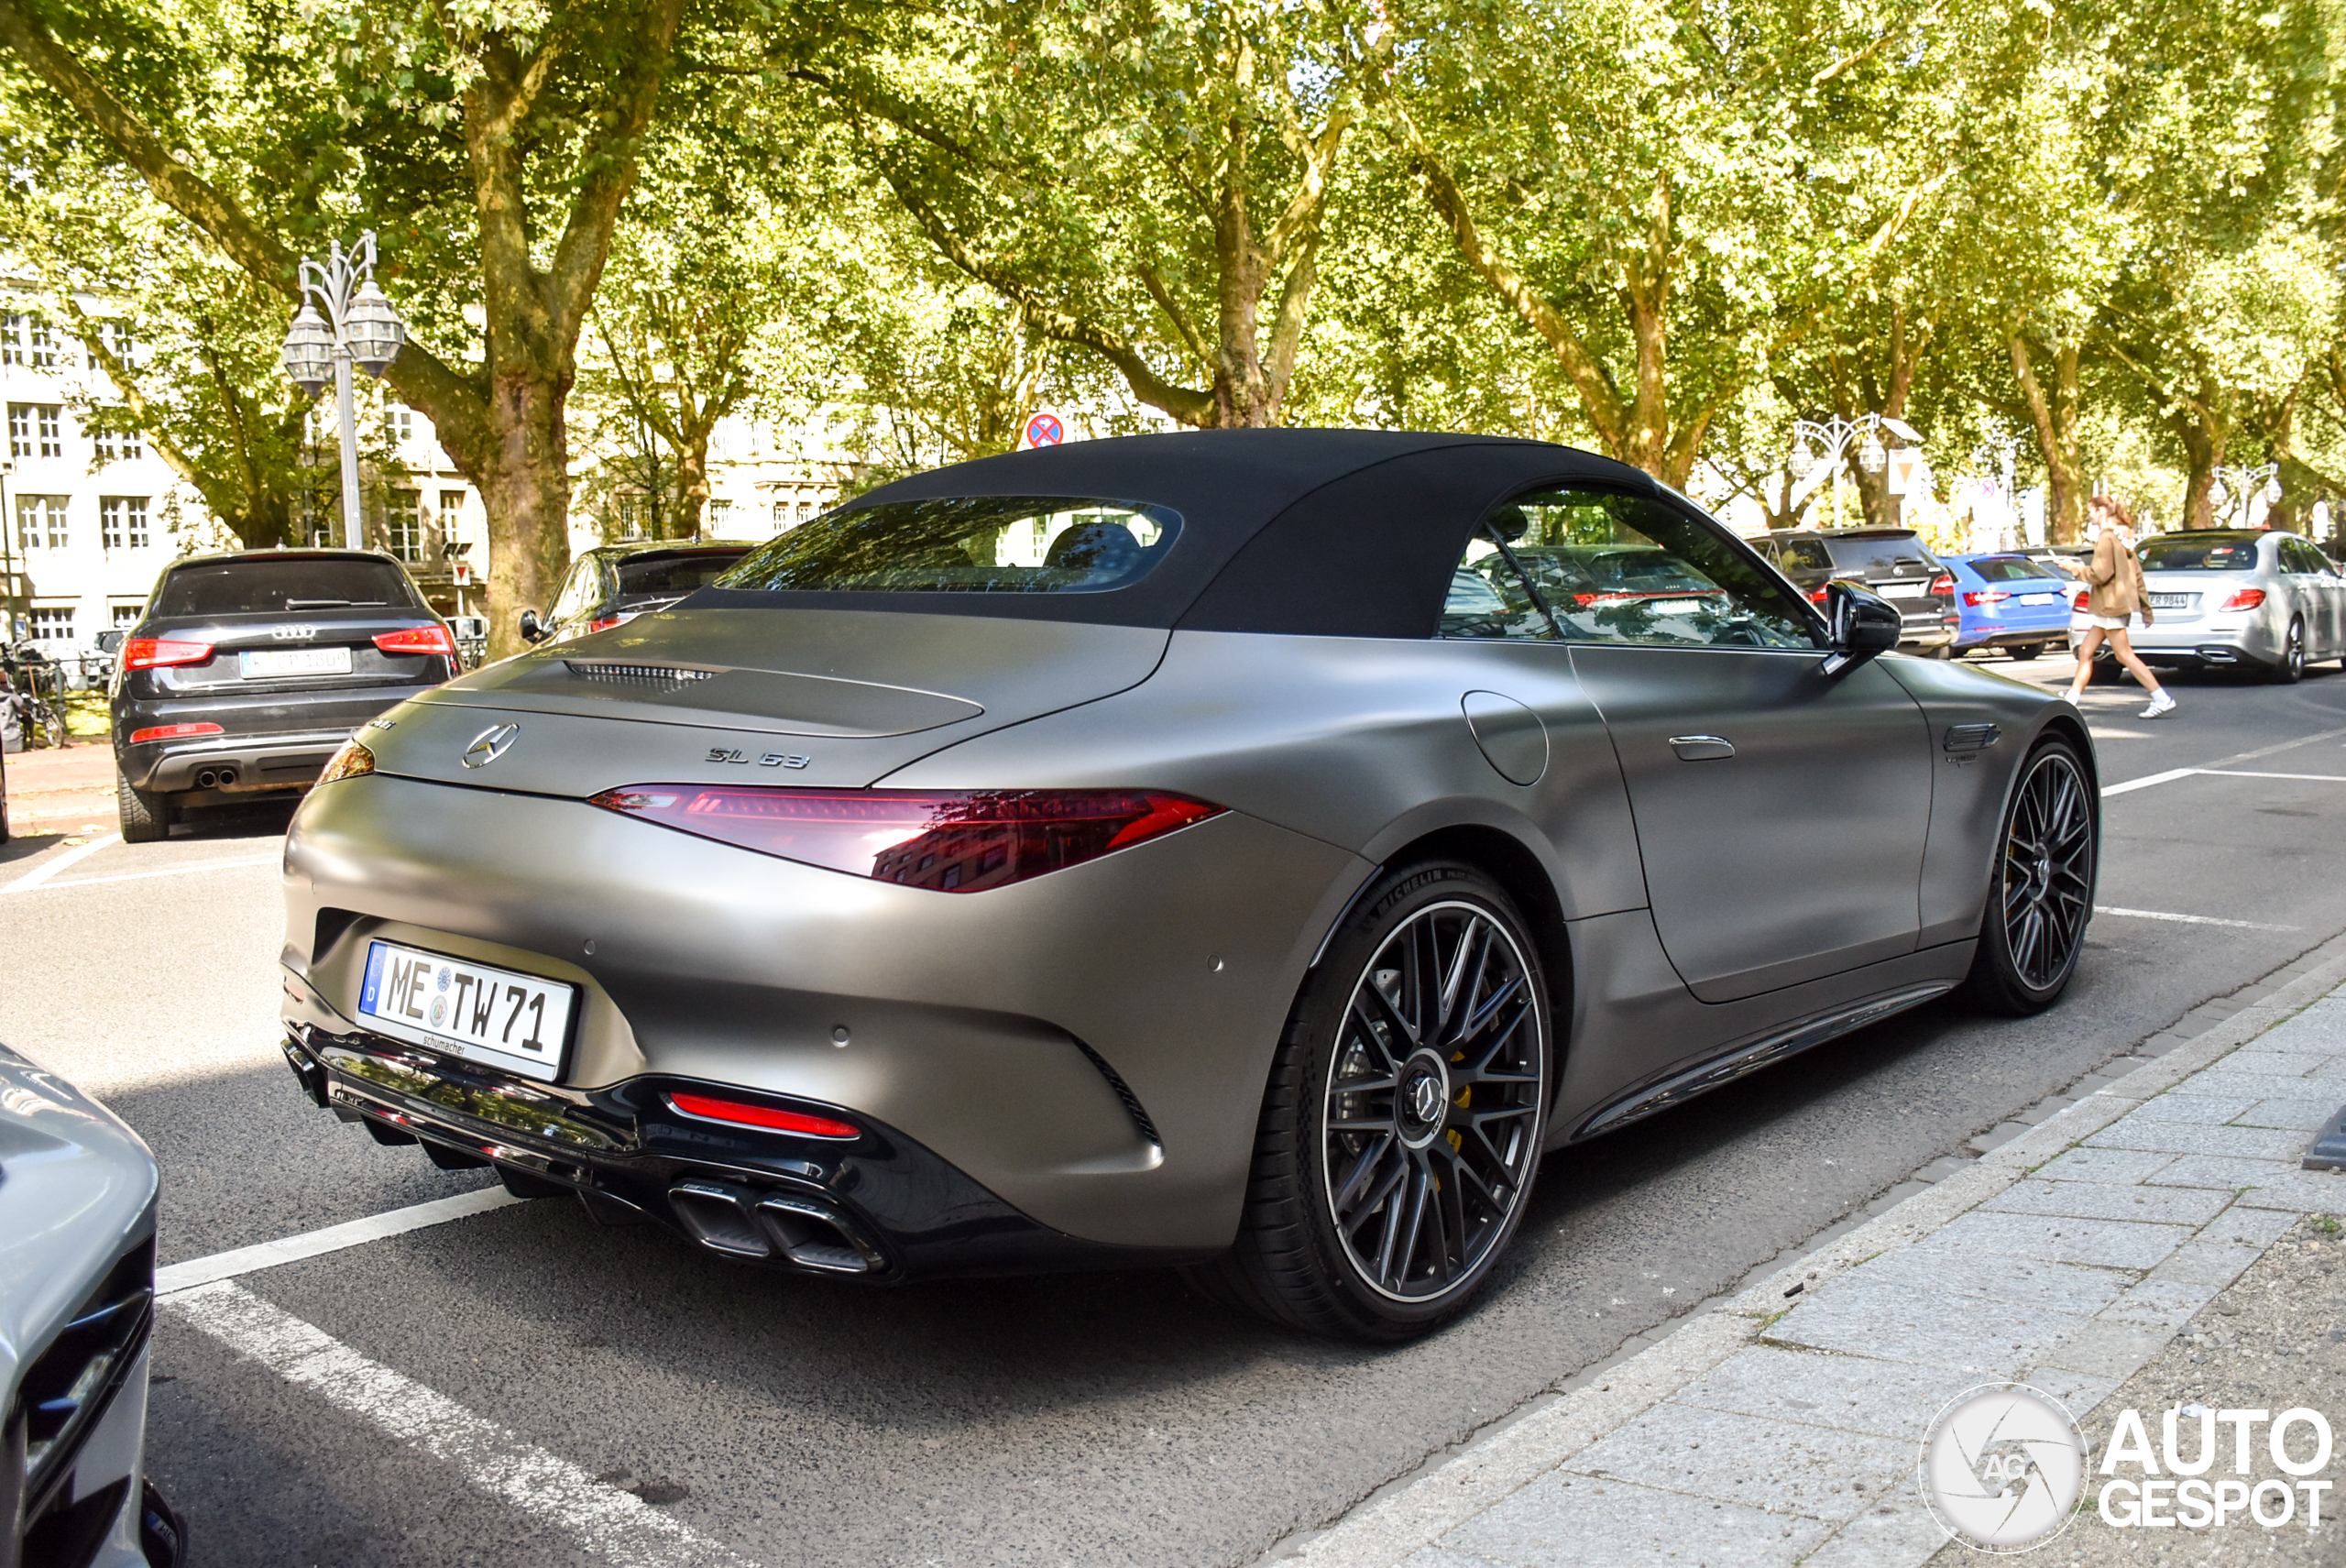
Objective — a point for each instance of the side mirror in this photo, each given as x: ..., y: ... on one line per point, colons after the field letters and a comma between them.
x: 1863, y: 624
x: 532, y: 629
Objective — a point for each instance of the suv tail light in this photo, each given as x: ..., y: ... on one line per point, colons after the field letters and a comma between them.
x: 432, y: 639
x: 2246, y: 598
x: 1942, y: 583
x: 1988, y: 596
x: 153, y: 652
x: 951, y: 841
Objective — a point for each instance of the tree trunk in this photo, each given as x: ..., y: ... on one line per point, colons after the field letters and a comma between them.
x: 2054, y: 412
x: 2203, y: 450
x: 525, y: 490
x: 692, y: 481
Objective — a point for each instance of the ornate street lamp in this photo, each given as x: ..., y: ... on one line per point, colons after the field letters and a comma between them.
x: 1837, y: 436
x: 2239, y: 486
x: 357, y: 326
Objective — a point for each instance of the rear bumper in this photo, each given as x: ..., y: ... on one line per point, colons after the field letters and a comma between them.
x: 226, y: 763
x: 2003, y: 634
x: 269, y: 740
x: 2201, y: 647
x: 879, y: 1207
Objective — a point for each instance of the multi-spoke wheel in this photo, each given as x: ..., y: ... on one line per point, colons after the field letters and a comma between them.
x: 1402, y: 1125
x: 2290, y: 667
x: 2040, y: 895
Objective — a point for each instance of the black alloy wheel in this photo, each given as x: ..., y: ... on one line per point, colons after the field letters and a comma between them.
x: 2040, y: 895
x: 1401, y: 1129
x: 2291, y: 667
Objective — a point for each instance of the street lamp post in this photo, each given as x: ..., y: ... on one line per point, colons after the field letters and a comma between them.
x: 1835, y: 435
x: 2239, y: 485
x: 358, y: 327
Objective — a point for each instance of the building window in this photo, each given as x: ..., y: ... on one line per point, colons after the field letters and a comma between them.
x: 126, y: 616
x: 122, y: 521
x: 41, y: 344
x: 26, y: 340
x: 54, y: 626
x: 720, y: 517
x: 117, y: 336
x: 117, y: 445
x: 35, y: 430
x: 405, y: 517
x: 402, y: 421
x: 12, y: 337
x: 41, y: 520
x: 452, y: 509
x: 631, y: 515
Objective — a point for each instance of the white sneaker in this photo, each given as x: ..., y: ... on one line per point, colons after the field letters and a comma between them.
x: 2161, y: 704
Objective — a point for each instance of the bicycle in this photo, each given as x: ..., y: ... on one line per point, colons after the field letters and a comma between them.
x: 23, y: 670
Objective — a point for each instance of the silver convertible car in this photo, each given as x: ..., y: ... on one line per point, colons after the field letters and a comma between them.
x: 1243, y: 850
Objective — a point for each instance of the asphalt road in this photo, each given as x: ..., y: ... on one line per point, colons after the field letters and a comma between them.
x: 1084, y: 1419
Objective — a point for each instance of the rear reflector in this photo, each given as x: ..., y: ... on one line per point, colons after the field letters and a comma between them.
x: 172, y: 732
x: 744, y: 1115
x: 950, y: 841
x: 434, y: 639
x: 2247, y: 598
x: 151, y: 652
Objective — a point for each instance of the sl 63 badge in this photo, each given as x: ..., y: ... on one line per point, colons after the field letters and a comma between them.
x: 771, y: 760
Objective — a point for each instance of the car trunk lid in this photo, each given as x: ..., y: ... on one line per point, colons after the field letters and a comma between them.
x: 834, y: 698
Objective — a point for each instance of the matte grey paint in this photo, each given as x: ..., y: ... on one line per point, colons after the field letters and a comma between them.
x: 1834, y: 858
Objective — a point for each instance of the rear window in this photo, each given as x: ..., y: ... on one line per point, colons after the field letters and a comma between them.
x: 2181, y: 553
x: 1804, y: 554
x: 982, y: 545
x: 669, y: 576
x: 2008, y: 569
x: 273, y: 586
x: 1888, y: 557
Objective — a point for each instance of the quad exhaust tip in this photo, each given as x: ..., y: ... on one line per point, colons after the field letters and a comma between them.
x: 772, y: 1227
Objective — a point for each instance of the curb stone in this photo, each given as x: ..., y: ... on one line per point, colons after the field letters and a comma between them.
x: 1414, y: 1513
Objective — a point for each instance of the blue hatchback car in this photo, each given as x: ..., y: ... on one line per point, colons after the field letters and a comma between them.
x: 2009, y: 602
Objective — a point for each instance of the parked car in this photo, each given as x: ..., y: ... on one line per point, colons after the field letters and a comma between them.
x: 248, y: 670
x: 2009, y: 601
x: 106, y: 653
x: 77, y: 1306
x: 471, y: 632
x: 2251, y: 599
x: 1892, y: 562
x: 615, y: 582
x: 1197, y: 849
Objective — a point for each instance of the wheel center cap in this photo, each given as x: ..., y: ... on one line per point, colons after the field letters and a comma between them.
x: 1423, y: 1100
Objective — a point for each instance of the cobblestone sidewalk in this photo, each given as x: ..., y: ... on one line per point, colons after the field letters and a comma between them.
x: 1783, y: 1426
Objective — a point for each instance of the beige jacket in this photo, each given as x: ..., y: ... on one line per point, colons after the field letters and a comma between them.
x: 2115, y: 579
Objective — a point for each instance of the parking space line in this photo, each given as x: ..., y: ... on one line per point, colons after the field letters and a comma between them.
x: 159, y: 870
x: 2186, y: 919
x: 244, y: 1260
x: 617, y: 1526
x: 2133, y: 784
x: 41, y: 874
x: 2222, y: 764
x: 2244, y: 774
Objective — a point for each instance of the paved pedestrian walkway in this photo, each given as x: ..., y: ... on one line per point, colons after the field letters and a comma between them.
x: 61, y: 791
x: 1783, y: 1426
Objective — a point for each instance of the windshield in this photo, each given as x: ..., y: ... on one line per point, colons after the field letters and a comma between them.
x: 673, y: 577
x: 2181, y: 553
x: 273, y: 586
x: 2008, y: 569
x: 1895, y: 555
x: 986, y: 544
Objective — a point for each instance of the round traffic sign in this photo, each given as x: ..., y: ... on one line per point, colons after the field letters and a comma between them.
x: 1043, y: 430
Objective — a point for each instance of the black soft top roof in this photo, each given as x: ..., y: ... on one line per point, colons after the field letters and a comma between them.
x: 1338, y: 532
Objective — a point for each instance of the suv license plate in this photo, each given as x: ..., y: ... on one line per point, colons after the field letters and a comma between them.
x: 293, y: 661
x: 484, y: 1013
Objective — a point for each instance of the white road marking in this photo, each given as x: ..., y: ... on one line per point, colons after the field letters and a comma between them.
x: 41, y: 874
x: 2244, y: 774
x: 2220, y: 763
x: 334, y: 1238
x: 616, y: 1526
x: 2186, y: 919
x: 161, y: 871
x: 2133, y: 784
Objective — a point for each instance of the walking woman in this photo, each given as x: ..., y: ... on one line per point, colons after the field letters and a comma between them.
x: 2114, y: 581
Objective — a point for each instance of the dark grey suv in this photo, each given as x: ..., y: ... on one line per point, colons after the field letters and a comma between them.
x: 613, y: 583
x: 248, y: 670
x: 1892, y: 562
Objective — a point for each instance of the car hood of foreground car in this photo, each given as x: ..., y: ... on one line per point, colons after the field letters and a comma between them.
x: 77, y: 1188
x: 832, y: 698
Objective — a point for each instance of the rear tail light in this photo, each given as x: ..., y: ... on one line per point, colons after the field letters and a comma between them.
x: 153, y: 652
x: 2083, y: 598
x: 1816, y: 597
x: 349, y: 762
x: 432, y: 639
x: 1991, y: 596
x: 743, y: 1115
x: 1942, y: 583
x: 951, y: 841
x: 2246, y: 598
x: 604, y: 623
x: 172, y: 732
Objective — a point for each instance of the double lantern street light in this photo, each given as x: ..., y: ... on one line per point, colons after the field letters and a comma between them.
x: 1821, y: 450
x: 358, y: 327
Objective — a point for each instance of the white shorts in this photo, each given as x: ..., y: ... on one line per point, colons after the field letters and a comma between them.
x: 2110, y: 623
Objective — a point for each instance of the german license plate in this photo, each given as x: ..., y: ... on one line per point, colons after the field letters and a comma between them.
x: 2172, y: 601
x: 263, y: 661
x: 486, y: 1015
x: 1677, y: 607
x: 2040, y: 598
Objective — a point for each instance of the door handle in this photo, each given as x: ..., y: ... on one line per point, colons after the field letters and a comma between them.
x: 1702, y: 748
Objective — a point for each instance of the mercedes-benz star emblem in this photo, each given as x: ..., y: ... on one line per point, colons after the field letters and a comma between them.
x: 491, y: 744
x: 1426, y: 1097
